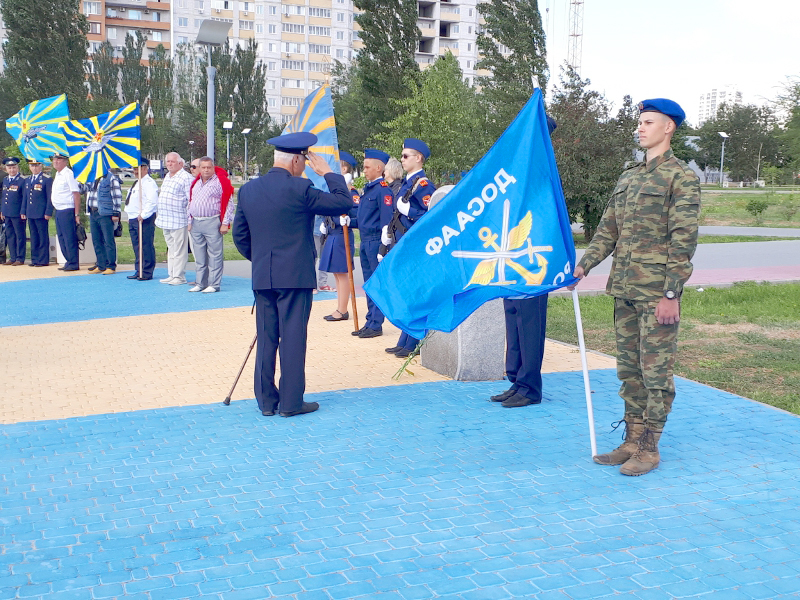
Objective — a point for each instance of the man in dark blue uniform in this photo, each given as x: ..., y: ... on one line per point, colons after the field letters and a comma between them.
x: 273, y: 229
x: 526, y: 324
x: 13, y: 211
x: 38, y: 210
x: 413, y: 199
x: 375, y: 208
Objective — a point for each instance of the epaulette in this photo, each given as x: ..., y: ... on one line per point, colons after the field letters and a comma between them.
x: 383, y: 183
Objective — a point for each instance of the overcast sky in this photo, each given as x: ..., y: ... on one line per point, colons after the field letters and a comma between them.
x: 681, y: 48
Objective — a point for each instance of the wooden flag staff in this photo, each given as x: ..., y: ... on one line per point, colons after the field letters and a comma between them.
x: 349, y: 257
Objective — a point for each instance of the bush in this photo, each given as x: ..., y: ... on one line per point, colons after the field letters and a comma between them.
x: 789, y: 208
x: 756, y: 207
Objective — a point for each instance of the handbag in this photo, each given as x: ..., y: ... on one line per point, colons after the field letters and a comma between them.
x: 80, y: 232
x: 118, y: 228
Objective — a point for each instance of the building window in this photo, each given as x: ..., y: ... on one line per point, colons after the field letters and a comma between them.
x: 156, y: 36
x: 222, y: 4
x: 469, y: 29
x: 157, y: 17
x: 247, y: 6
x: 293, y: 47
x: 273, y: 28
x: 272, y: 47
x: 454, y: 29
x: 293, y: 28
x: 259, y: 28
x: 356, y: 36
x: 259, y: 9
x: 111, y: 33
x: 291, y: 101
x: 295, y: 84
x: 339, y: 53
x: 319, y: 49
x: 182, y: 39
x: 340, y: 35
x: 316, y: 30
x: 135, y: 15
x: 183, y: 22
x: 318, y: 67
x: 324, y: 13
x: 340, y: 17
x: 246, y: 25
x: 198, y: 22
x: 469, y: 47
x: 94, y: 28
x: 198, y: 4
x: 292, y: 65
x: 91, y: 8
x: 292, y: 9
x: 272, y: 103
x: 273, y: 10
x: 272, y: 65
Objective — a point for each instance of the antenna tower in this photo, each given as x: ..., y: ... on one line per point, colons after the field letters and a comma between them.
x: 575, y: 49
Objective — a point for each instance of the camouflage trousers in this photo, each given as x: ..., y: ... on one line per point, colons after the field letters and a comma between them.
x: 645, y: 358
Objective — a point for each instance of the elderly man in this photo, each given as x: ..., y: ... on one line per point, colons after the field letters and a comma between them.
x: 141, y: 221
x: 38, y: 210
x: 66, y: 198
x: 104, y: 206
x: 273, y: 230
x: 173, y: 204
x: 13, y: 211
x: 210, y: 216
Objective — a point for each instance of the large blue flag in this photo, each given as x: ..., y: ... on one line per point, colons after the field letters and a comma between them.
x: 315, y: 116
x: 35, y: 128
x: 502, y: 232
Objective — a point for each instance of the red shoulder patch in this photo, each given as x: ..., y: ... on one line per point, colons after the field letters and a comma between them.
x: 423, y: 182
x: 383, y: 183
x: 426, y: 200
x: 356, y: 198
x: 387, y: 200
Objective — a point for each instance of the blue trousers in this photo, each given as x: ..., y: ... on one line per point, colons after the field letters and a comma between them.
x: 67, y: 237
x: 148, y: 246
x: 526, y: 323
x: 105, y: 248
x: 40, y: 241
x: 15, y: 238
x: 368, y: 255
x: 282, y: 326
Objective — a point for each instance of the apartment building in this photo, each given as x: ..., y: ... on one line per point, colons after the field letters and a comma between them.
x: 713, y: 99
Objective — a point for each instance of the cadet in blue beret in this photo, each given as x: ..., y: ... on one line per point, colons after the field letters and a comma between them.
x: 38, y: 210
x: 333, y: 258
x: 666, y: 107
x: 12, y: 211
x: 375, y: 208
x: 273, y: 229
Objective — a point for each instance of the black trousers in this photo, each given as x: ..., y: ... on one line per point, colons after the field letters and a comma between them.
x: 68, y: 237
x: 40, y: 241
x: 15, y: 238
x: 148, y: 246
x: 526, y: 324
x: 282, y: 326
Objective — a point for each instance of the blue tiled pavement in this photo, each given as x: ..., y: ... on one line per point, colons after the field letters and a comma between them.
x: 83, y: 298
x: 407, y: 492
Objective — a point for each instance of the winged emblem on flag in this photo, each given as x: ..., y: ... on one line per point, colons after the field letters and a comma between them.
x: 35, y: 128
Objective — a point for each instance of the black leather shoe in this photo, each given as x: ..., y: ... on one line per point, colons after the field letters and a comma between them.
x: 370, y: 333
x: 519, y: 400
x: 308, y: 407
x: 504, y: 396
x: 394, y: 349
x: 342, y: 316
x: 358, y: 333
x: 146, y: 278
x: 268, y: 413
x: 75, y: 269
x: 403, y: 353
x: 59, y: 268
x: 134, y: 276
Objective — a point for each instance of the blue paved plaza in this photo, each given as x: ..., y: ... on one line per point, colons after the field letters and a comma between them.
x: 419, y: 491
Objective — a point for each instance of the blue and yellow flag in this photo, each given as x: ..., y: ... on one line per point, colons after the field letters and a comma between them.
x: 35, y: 128
x: 502, y: 232
x: 107, y: 141
x: 315, y: 116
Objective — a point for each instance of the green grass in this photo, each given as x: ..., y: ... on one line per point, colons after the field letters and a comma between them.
x: 728, y: 208
x: 580, y: 241
x: 744, y: 339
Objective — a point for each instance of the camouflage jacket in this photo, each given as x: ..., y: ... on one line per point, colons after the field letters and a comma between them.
x: 650, y: 224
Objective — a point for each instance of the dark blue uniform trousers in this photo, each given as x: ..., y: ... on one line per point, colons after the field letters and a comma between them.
x: 282, y: 326
x: 148, y: 247
x: 15, y: 238
x: 105, y: 248
x: 40, y: 241
x: 368, y: 254
x: 67, y: 237
x: 526, y: 323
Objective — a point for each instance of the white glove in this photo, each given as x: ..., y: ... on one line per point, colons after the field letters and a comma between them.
x: 380, y: 257
x: 385, y: 239
x: 403, y: 207
x: 344, y: 220
x: 322, y: 229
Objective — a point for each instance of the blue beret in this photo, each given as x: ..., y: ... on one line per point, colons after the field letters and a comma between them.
x: 551, y: 124
x: 666, y: 107
x: 376, y: 154
x: 294, y: 143
x: 419, y: 146
x: 143, y: 162
x: 348, y: 158
x: 10, y: 160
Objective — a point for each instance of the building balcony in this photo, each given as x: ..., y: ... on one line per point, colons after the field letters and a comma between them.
x: 136, y: 23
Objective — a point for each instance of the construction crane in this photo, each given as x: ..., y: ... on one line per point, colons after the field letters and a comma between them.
x: 575, y: 40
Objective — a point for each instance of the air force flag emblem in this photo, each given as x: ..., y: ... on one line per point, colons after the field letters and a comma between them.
x: 502, y: 232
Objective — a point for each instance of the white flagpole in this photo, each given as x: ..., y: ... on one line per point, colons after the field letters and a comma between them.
x: 585, y: 365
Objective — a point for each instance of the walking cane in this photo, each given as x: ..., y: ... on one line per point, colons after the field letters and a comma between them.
x: 350, y: 274
x: 227, y: 401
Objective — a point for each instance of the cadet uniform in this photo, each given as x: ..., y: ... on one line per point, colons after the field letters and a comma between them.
x: 273, y: 229
x: 333, y: 258
x: 651, y: 226
x: 375, y: 208
x: 38, y: 206
x: 13, y: 211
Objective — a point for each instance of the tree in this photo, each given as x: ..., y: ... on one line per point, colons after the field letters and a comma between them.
x: 187, y: 73
x: 591, y: 148
x: 160, y: 101
x: 45, y: 52
x: 444, y: 111
x: 348, y: 105
x: 104, y: 79
x: 134, y: 73
x: 512, y: 45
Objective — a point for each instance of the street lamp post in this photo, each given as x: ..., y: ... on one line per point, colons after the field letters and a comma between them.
x: 211, y: 33
x: 724, y: 137
x: 244, y: 133
x: 191, y: 151
x: 227, y: 126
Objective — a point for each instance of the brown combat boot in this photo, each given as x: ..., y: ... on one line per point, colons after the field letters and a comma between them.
x: 646, y: 457
x: 634, y: 426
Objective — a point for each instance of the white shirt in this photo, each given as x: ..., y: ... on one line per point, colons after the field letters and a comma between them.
x: 173, y: 201
x: 149, y: 198
x: 64, y: 183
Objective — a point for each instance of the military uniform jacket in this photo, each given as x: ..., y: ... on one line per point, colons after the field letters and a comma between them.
x: 37, y: 196
x: 420, y: 198
x: 13, y: 196
x: 375, y: 207
x: 650, y: 224
x: 274, y: 223
x: 333, y: 225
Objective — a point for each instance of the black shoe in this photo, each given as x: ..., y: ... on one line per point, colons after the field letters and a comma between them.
x: 519, y: 400
x: 60, y: 268
x: 134, y: 276
x: 308, y: 407
x: 358, y: 333
x: 370, y: 333
x: 403, y: 353
x: 343, y: 316
x: 145, y: 278
x: 504, y: 396
x: 268, y: 413
x: 75, y: 269
x: 394, y: 349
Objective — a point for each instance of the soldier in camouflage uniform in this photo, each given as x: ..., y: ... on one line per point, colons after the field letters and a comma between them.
x: 650, y: 225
